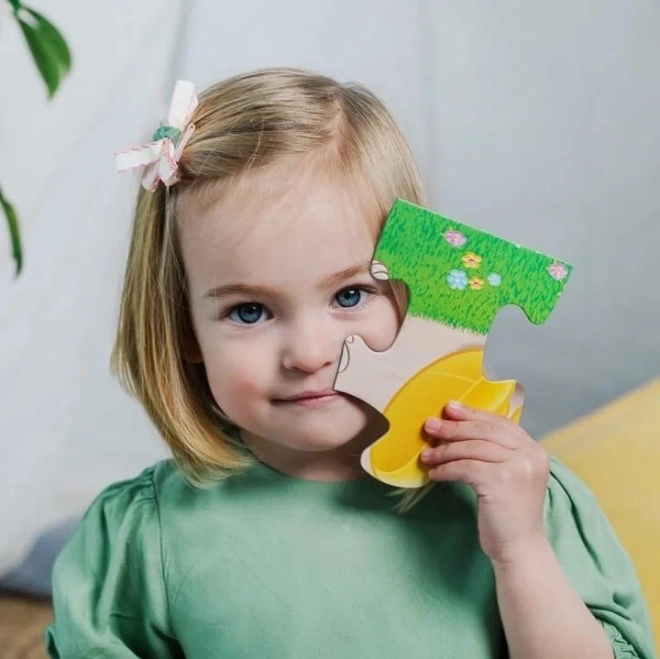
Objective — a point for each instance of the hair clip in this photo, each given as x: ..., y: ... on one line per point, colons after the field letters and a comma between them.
x: 160, y: 157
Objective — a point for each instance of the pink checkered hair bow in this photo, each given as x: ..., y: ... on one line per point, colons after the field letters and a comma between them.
x: 160, y: 157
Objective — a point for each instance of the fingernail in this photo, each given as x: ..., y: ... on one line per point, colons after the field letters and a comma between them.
x: 455, y: 405
x: 426, y: 454
x: 434, y: 424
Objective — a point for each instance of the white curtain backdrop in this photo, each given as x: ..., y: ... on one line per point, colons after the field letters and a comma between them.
x: 536, y: 124
x: 67, y: 428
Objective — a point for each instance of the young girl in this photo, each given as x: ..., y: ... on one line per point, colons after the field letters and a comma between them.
x: 248, y: 268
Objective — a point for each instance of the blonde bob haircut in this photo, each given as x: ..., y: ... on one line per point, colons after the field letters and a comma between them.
x: 242, y: 124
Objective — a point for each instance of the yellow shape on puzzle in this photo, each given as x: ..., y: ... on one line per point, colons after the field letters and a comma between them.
x: 394, y: 458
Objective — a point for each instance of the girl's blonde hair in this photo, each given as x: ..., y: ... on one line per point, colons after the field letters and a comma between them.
x: 242, y: 124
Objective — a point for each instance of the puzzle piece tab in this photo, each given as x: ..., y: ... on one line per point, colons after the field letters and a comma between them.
x: 459, y: 278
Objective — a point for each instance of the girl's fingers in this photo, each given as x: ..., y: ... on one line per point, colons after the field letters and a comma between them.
x: 526, y: 471
x: 471, y: 472
x: 459, y: 412
x: 470, y: 449
x: 494, y: 429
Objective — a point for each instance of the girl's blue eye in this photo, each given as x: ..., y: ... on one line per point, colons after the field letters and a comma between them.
x: 349, y: 297
x: 248, y: 313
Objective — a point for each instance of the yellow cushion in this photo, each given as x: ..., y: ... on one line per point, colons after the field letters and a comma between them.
x: 616, y: 451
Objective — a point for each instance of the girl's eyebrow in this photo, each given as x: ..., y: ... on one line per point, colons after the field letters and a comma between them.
x: 240, y: 289
x: 267, y: 291
x: 348, y: 273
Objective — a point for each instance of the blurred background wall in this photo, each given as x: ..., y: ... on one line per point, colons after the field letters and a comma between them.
x: 535, y: 121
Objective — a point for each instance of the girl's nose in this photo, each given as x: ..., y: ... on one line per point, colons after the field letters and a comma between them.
x: 311, y: 346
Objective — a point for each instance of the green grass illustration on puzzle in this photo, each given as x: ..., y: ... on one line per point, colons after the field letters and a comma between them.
x: 458, y: 278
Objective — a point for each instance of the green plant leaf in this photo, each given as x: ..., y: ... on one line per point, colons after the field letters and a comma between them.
x: 16, y: 4
x: 42, y: 55
x: 54, y: 39
x: 14, y: 232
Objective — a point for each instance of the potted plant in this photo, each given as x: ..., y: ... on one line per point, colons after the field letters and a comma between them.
x: 52, y: 57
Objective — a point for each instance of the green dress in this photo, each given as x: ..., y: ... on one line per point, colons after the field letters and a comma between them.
x: 272, y: 567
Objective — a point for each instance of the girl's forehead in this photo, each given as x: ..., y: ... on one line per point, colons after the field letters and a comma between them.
x: 283, y: 202
x: 279, y: 224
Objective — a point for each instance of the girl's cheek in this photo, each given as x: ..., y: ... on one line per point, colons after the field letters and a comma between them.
x: 237, y: 364
x: 235, y: 383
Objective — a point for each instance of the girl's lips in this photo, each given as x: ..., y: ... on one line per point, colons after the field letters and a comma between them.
x: 310, y: 398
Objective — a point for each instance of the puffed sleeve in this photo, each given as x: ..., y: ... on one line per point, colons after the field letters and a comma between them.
x: 597, y: 565
x: 108, y: 588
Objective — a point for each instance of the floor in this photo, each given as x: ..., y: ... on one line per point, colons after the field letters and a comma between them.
x: 22, y: 624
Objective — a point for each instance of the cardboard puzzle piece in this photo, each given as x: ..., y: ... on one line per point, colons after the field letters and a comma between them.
x: 458, y: 278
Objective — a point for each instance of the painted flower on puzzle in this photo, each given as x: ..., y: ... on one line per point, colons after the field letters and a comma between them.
x: 471, y: 260
x: 558, y: 271
x: 494, y: 279
x: 455, y: 238
x: 476, y: 283
x: 457, y: 280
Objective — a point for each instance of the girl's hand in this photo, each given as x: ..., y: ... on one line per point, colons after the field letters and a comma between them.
x: 506, y: 468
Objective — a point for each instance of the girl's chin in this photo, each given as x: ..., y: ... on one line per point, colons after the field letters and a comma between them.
x: 354, y: 427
